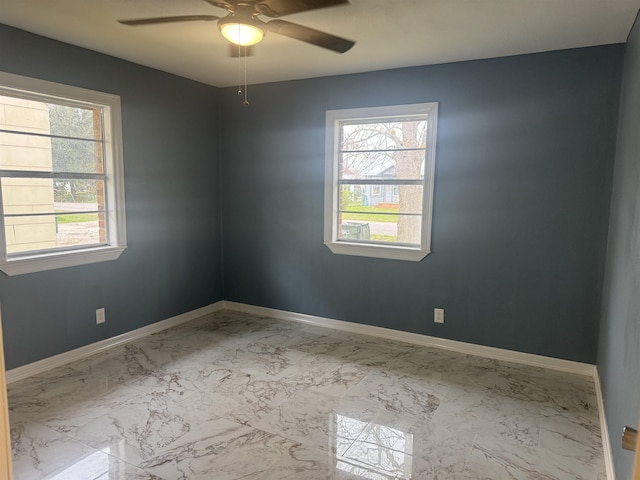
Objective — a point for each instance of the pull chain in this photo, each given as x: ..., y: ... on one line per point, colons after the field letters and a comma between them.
x: 239, y: 73
x: 246, y: 101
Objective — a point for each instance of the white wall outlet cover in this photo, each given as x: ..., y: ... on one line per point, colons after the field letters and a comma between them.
x: 438, y: 315
x: 100, y: 316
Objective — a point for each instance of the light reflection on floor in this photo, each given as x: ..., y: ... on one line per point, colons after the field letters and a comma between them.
x: 92, y: 466
x: 379, y: 453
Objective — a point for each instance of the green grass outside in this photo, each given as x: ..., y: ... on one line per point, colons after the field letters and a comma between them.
x: 368, y: 217
x: 384, y: 238
x: 78, y: 218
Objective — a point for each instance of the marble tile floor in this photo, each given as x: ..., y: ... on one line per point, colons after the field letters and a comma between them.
x: 234, y: 396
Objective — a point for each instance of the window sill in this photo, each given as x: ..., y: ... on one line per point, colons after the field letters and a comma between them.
x: 52, y: 261
x: 378, y: 251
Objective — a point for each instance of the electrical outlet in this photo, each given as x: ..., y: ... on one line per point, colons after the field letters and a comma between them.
x: 100, y: 316
x: 438, y: 315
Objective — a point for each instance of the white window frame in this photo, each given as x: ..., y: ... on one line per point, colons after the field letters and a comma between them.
x: 28, y: 262
x: 334, y: 118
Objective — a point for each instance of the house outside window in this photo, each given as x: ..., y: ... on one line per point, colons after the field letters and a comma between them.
x: 379, y: 180
x: 61, y: 176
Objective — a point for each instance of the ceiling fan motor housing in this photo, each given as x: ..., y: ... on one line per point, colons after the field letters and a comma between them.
x: 241, y: 26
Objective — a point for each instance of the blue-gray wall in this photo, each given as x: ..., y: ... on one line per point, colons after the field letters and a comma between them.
x: 173, y: 262
x: 619, y: 347
x: 523, y: 179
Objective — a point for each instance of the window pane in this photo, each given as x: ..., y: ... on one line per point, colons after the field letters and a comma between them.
x: 81, y: 229
x: 45, y: 195
x: 50, y: 119
x: 25, y: 197
x: 26, y: 234
x: 24, y: 115
x: 395, y: 164
x: 392, y: 216
x: 378, y: 199
x: 25, y: 152
x: 75, y: 122
x: 387, y: 228
x: 48, y: 232
x: 74, y: 195
x: 383, y: 135
x: 32, y: 148
x: 371, y: 165
x: 76, y: 156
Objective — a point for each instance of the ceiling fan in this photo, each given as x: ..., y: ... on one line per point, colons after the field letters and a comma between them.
x: 241, y: 26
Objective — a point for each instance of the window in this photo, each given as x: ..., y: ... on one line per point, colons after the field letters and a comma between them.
x: 379, y: 180
x: 61, y: 176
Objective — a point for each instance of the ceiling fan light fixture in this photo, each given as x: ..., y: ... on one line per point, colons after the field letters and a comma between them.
x: 240, y: 33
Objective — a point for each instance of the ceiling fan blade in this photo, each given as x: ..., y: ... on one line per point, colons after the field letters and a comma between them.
x: 280, y: 8
x: 222, y: 4
x: 310, y: 35
x: 179, y: 18
x: 235, y: 51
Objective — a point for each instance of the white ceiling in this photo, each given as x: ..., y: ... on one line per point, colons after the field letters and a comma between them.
x: 388, y: 33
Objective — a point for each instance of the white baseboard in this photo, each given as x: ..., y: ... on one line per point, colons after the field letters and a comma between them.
x: 604, y: 429
x: 40, y: 366
x: 381, y: 332
x: 419, y: 339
